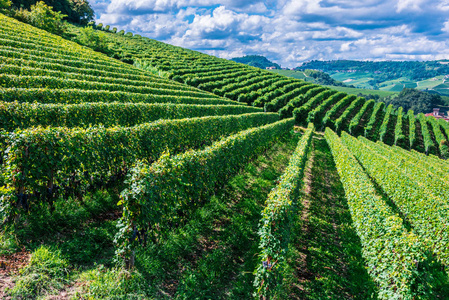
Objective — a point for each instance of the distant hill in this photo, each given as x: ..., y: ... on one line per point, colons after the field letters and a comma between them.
x: 386, y: 75
x: 386, y: 70
x: 314, y: 76
x: 257, y: 61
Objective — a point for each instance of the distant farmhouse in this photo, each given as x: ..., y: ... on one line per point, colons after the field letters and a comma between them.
x: 436, y: 113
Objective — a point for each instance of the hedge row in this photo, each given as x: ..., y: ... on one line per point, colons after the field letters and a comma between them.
x: 429, y: 146
x: 384, y: 126
x: 279, y: 88
x: 281, y: 207
x: 90, y: 156
x: 164, y: 192
x: 445, y: 126
x: 195, y: 70
x: 436, y: 166
x: 37, y: 63
x: 23, y: 115
x: 27, y: 71
x: 392, y: 254
x: 239, y: 82
x: 69, y: 62
x: 434, y: 184
x: 439, y: 137
x: 305, y: 92
x: 64, y: 48
x: 427, y: 213
x: 331, y: 113
x: 316, y: 115
x: 399, y: 135
x: 281, y: 98
x: 13, y: 81
x: 218, y: 76
x: 355, y: 122
x: 215, y: 85
x: 301, y: 112
x: 412, y: 128
x: 44, y: 95
x: 23, y: 52
x: 339, y: 124
x: 377, y: 111
x: 234, y: 94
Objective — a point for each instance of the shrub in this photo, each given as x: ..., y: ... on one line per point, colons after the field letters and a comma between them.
x: 5, y: 4
x: 93, y: 39
x: 42, y: 16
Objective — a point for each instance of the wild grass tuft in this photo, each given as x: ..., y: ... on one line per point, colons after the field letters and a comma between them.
x: 45, y: 274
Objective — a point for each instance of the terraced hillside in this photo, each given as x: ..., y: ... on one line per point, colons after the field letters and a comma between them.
x: 277, y: 93
x: 118, y: 183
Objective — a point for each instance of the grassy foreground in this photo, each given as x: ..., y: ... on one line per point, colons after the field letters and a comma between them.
x: 212, y: 256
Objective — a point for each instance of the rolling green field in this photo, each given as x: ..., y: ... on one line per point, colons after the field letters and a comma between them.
x: 294, y: 74
x: 357, y: 91
x: 348, y: 90
x: 362, y: 81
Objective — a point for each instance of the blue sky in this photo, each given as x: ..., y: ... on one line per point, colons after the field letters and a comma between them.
x: 290, y: 31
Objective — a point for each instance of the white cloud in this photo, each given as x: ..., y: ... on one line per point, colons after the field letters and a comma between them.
x: 414, y: 5
x: 290, y: 31
x: 445, y: 26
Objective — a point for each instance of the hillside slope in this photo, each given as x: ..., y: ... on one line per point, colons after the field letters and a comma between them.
x: 117, y: 182
x: 276, y: 93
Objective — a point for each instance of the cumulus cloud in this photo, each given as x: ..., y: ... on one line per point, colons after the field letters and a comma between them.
x: 289, y: 31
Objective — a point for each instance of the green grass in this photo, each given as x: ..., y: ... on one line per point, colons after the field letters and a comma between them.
x: 292, y: 73
x: 394, y: 88
x: 430, y: 83
x: 393, y: 81
x: 46, y: 274
x: 356, y: 91
x: 73, y: 238
x: 359, y: 80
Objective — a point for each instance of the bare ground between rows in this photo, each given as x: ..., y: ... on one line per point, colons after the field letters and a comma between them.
x: 326, y: 254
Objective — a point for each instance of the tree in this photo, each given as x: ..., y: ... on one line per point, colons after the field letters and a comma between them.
x: 42, y: 16
x: 5, y: 4
x: 82, y: 11
x: 418, y: 101
x: 76, y: 11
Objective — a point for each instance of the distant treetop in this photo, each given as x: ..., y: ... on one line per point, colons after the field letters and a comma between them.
x: 418, y: 101
x: 257, y: 61
x: 77, y: 11
x: 384, y: 70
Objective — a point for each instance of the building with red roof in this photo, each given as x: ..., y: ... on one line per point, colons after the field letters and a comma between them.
x: 438, y: 115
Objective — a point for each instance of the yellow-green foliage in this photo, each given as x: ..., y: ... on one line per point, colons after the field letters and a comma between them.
x: 78, y: 158
x: 411, y: 194
x: 104, y: 283
x: 24, y: 115
x: 43, y: 16
x: 274, y: 229
x: 156, y: 192
x: 393, y: 254
x: 5, y: 3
